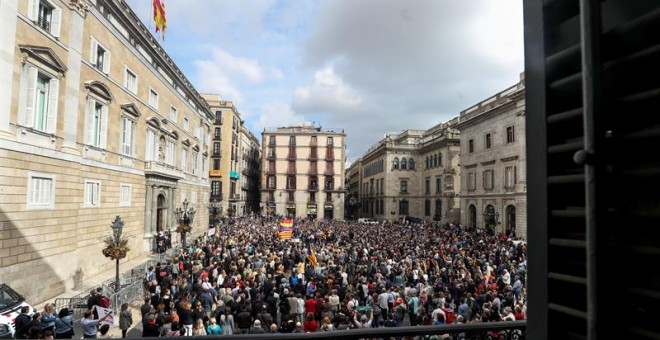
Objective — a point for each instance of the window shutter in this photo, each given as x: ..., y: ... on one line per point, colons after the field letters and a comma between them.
x: 93, y: 50
x: 53, y: 100
x: 55, y: 22
x: 106, y: 62
x: 89, y: 119
x: 33, y: 9
x: 33, y: 73
x: 104, y: 127
x: 149, y: 151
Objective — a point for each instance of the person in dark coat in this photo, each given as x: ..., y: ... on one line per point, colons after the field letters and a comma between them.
x: 21, y: 320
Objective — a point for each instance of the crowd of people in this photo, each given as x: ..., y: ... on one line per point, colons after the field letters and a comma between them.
x: 333, y: 275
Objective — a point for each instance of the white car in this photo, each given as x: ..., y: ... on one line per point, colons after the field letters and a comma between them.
x: 367, y: 221
x: 11, y: 303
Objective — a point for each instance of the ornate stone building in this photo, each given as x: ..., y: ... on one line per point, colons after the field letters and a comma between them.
x: 96, y: 121
x: 411, y: 174
x: 303, y: 171
x: 494, y: 163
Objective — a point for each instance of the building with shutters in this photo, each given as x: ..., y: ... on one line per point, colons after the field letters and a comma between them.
x: 96, y: 121
x: 493, y: 162
x: 414, y: 173
x: 234, y: 162
x: 302, y: 171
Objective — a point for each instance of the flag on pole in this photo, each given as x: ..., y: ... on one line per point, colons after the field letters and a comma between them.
x: 159, y: 17
x: 312, y: 257
x: 286, y: 229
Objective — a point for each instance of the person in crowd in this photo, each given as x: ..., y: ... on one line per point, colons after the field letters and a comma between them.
x: 125, y: 319
x: 48, y: 318
x: 90, y: 326
x: 64, y: 324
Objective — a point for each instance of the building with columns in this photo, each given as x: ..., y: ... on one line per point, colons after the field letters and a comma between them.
x: 96, y: 121
x: 414, y: 173
x: 302, y: 171
x: 494, y: 162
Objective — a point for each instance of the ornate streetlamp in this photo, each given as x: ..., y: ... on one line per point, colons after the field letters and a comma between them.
x: 116, y: 247
x: 491, y: 218
x: 184, y: 216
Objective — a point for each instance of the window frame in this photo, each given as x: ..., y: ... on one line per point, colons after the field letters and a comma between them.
x: 122, y: 144
x: 122, y: 201
x: 510, y: 134
x: 154, y: 104
x: 54, y: 24
x: 86, y: 194
x: 471, y: 146
x: 94, y: 56
x: 132, y: 89
x: 92, y: 130
x: 30, y: 203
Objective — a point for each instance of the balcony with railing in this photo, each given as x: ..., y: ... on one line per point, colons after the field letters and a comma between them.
x: 329, y: 187
x: 217, y: 197
x: 292, y: 153
x: 329, y: 154
x: 313, y: 187
x: 313, y: 154
x: 162, y: 169
x: 234, y: 197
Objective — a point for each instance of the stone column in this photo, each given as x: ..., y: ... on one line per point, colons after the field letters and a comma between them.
x: 147, y: 210
x: 8, y: 18
x: 72, y: 87
x: 154, y: 208
x: 170, y: 207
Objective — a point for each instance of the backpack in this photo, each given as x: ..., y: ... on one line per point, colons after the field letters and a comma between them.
x: 105, y: 301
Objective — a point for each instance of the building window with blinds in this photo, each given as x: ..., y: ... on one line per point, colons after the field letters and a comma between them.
x: 124, y: 195
x: 488, y: 179
x: 96, y: 123
x: 92, y: 194
x: 151, y: 147
x: 40, y: 191
x: 472, y: 181
x: 41, y: 105
x: 127, y: 136
x: 509, y: 177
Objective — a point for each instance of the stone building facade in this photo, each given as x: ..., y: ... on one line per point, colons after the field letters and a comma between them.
x: 411, y: 174
x: 494, y: 162
x: 234, y: 161
x: 303, y: 171
x: 96, y: 121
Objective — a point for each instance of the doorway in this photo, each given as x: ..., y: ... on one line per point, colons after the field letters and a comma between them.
x: 511, y: 220
x: 161, y: 209
x: 472, y: 216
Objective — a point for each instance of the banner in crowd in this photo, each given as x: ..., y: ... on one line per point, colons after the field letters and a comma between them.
x: 103, y: 312
x: 286, y: 229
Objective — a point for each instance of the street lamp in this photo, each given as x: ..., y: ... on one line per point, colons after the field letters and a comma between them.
x: 116, y: 247
x: 351, y: 203
x: 185, y: 217
x: 491, y: 218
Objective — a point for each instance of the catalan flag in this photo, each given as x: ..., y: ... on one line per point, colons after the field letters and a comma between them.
x: 286, y: 230
x: 159, y: 17
x: 312, y: 257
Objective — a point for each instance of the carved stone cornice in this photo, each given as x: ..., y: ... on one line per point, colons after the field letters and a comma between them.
x: 80, y: 6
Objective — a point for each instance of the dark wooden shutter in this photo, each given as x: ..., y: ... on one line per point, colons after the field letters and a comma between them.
x: 593, y: 122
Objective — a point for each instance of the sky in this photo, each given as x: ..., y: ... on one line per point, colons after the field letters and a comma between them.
x: 369, y: 67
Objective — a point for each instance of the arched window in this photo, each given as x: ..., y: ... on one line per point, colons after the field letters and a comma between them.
x: 395, y: 163
x: 411, y: 164
x: 404, y: 164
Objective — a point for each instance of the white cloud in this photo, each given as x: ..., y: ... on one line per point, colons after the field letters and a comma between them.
x: 328, y: 94
x: 226, y: 74
x: 277, y: 115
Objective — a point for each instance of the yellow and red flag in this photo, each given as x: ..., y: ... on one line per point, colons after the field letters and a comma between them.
x: 312, y: 257
x: 286, y: 229
x: 159, y: 17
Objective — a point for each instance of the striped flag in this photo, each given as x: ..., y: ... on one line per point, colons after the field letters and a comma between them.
x: 286, y: 230
x: 159, y: 17
x: 312, y: 257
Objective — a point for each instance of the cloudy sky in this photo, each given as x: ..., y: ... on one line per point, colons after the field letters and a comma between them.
x: 367, y: 66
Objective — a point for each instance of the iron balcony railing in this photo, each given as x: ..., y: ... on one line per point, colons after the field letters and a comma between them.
x: 506, y: 330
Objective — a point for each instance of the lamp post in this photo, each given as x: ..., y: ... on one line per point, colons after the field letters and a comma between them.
x: 491, y: 218
x: 185, y: 216
x: 351, y: 203
x: 116, y: 247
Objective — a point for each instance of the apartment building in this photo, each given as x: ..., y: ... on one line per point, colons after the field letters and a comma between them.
x: 494, y: 162
x: 96, y: 122
x: 302, y: 171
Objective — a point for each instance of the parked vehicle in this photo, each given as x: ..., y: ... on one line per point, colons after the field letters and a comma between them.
x: 364, y: 220
x: 11, y: 303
